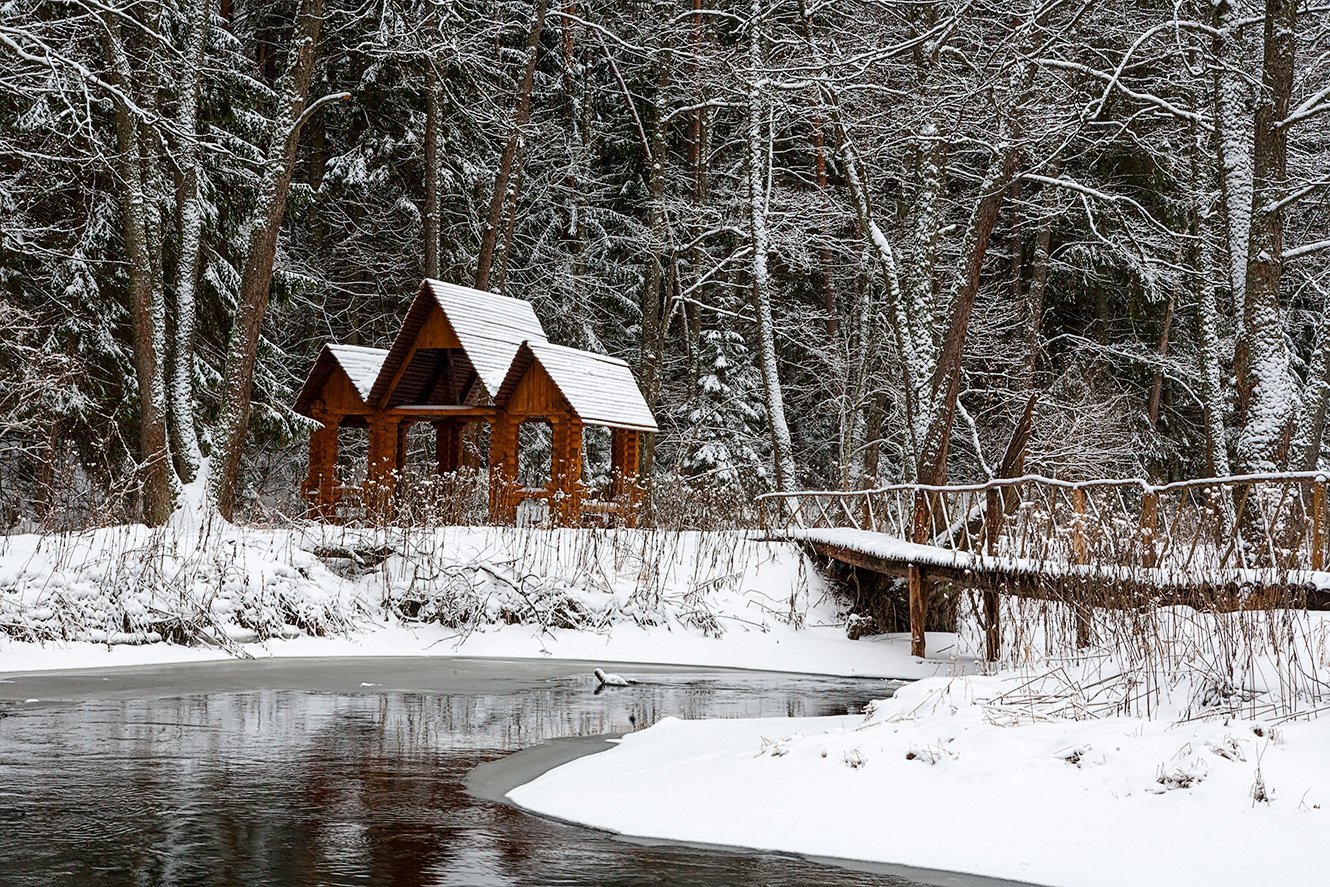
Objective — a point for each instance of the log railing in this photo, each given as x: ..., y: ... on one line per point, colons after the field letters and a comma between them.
x: 1250, y: 522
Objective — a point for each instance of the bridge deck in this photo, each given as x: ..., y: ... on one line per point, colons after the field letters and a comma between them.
x: 1224, y: 589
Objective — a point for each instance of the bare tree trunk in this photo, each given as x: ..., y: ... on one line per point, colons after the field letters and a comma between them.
x: 1233, y: 151
x: 433, y: 172
x: 489, y: 238
x: 697, y: 142
x: 909, y: 301
x: 510, y: 226
x: 1157, y: 388
x: 1267, y: 396
x: 827, y: 287
x: 190, y: 224
x: 1035, y: 298
x: 1316, y: 402
x: 781, y: 446
x: 146, y: 302
x: 945, y: 385
x: 242, y: 350
x: 651, y: 351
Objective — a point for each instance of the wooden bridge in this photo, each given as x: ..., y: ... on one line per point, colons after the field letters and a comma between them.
x: 1253, y: 541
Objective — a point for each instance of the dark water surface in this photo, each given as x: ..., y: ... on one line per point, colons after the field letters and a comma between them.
x: 340, y: 772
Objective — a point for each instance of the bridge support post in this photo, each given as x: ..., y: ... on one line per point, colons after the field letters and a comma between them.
x: 992, y: 626
x: 918, y: 608
x: 1318, y: 525
x: 994, y: 512
x: 1080, y: 556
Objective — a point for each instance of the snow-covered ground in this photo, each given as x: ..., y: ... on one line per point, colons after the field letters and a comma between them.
x: 1073, y: 772
x: 114, y: 597
x: 1182, y: 749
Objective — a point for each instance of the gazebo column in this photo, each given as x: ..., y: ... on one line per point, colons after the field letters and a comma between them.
x: 566, y: 470
x: 503, y: 470
x: 400, y: 458
x: 381, y: 473
x: 448, y: 445
x: 319, y: 489
x: 625, y: 456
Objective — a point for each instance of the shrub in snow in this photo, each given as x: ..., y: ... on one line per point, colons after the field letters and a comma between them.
x: 225, y: 584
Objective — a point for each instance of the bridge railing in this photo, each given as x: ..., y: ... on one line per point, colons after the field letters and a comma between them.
x: 1259, y: 521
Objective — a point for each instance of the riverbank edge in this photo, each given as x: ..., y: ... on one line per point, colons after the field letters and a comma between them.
x: 822, y: 651
x: 493, y: 780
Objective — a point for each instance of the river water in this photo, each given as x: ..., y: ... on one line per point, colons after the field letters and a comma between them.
x: 355, y: 771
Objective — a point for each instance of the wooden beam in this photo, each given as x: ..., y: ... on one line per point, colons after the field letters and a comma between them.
x: 440, y: 411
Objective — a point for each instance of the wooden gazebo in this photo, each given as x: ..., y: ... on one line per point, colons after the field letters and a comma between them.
x: 465, y: 356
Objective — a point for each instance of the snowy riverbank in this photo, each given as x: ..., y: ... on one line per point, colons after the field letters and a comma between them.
x: 115, y: 596
x: 1009, y: 776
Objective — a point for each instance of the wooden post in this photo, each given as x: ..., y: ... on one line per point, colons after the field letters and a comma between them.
x: 993, y: 514
x: 992, y: 625
x: 1149, y: 524
x: 381, y: 473
x: 1318, y: 524
x: 918, y: 609
x: 399, y: 460
x: 625, y: 452
x: 1080, y: 556
x: 448, y: 446
x: 503, y: 470
x: 320, y: 485
x: 566, y: 470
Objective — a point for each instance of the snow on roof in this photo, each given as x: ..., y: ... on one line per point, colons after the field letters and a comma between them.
x: 361, y: 365
x: 491, y: 328
x: 600, y: 389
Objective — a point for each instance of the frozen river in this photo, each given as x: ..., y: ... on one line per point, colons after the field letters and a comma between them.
x: 356, y: 771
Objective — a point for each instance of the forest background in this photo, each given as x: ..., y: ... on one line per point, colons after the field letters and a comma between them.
x: 842, y: 243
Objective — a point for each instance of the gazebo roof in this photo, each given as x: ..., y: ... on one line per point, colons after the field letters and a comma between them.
x: 600, y: 389
x: 361, y: 366
x: 489, y: 327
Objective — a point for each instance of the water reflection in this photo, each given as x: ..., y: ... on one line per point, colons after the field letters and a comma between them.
x: 301, y: 787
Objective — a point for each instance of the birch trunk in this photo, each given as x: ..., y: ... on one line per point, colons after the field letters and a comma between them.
x: 910, y: 311
x: 781, y: 446
x: 433, y: 221
x: 651, y: 350
x: 190, y: 225
x: 1233, y: 147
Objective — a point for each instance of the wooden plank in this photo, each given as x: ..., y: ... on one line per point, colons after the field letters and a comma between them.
x: 435, y: 332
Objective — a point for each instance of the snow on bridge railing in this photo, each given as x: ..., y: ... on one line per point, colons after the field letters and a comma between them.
x: 1254, y: 521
